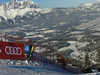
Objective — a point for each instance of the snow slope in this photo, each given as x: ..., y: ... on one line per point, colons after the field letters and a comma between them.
x: 18, y: 67
x: 91, y: 74
x: 73, y: 47
x: 14, y: 67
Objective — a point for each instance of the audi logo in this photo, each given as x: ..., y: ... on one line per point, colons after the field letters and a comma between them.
x: 13, y: 50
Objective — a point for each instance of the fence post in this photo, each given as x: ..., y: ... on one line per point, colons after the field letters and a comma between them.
x: 40, y: 53
x: 46, y: 52
x: 53, y: 55
x: 22, y: 39
x: 50, y: 52
x: 57, y: 57
x: 5, y: 37
x: 18, y: 38
x: 31, y: 40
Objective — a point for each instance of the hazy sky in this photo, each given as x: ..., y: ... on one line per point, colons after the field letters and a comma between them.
x: 56, y: 3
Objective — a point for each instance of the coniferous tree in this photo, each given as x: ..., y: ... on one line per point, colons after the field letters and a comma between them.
x: 87, y: 62
x: 98, y: 57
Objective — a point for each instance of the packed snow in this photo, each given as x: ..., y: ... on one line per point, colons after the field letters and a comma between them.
x: 18, y: 67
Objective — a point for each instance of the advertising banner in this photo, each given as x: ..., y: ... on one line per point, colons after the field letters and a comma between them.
x: 10, y: 50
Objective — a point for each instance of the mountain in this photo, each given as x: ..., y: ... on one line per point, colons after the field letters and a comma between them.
x: 21, y: 5
x: 91, y: 6
x: 86, y: 5
x: 13, y: 8
x: 55, y: 25
x: 18, y: 14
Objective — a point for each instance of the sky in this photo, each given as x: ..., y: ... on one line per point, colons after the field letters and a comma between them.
x: 57, y: 3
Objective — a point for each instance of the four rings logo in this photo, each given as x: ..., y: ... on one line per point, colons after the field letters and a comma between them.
x: 13, y: 50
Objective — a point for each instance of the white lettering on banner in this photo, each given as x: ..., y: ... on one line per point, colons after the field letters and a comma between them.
x: 13, y: 50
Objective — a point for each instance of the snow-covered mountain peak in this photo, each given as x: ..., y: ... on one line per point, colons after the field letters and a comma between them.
x: 86, y: 5
x: 14, y: 4
x: 30, y: 4
x: 98, y: 1
x: 13, y: 8
x: 26, y: 0
x: 15, y: 0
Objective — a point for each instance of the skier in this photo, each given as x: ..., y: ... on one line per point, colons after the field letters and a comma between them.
x: 28, y: 51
